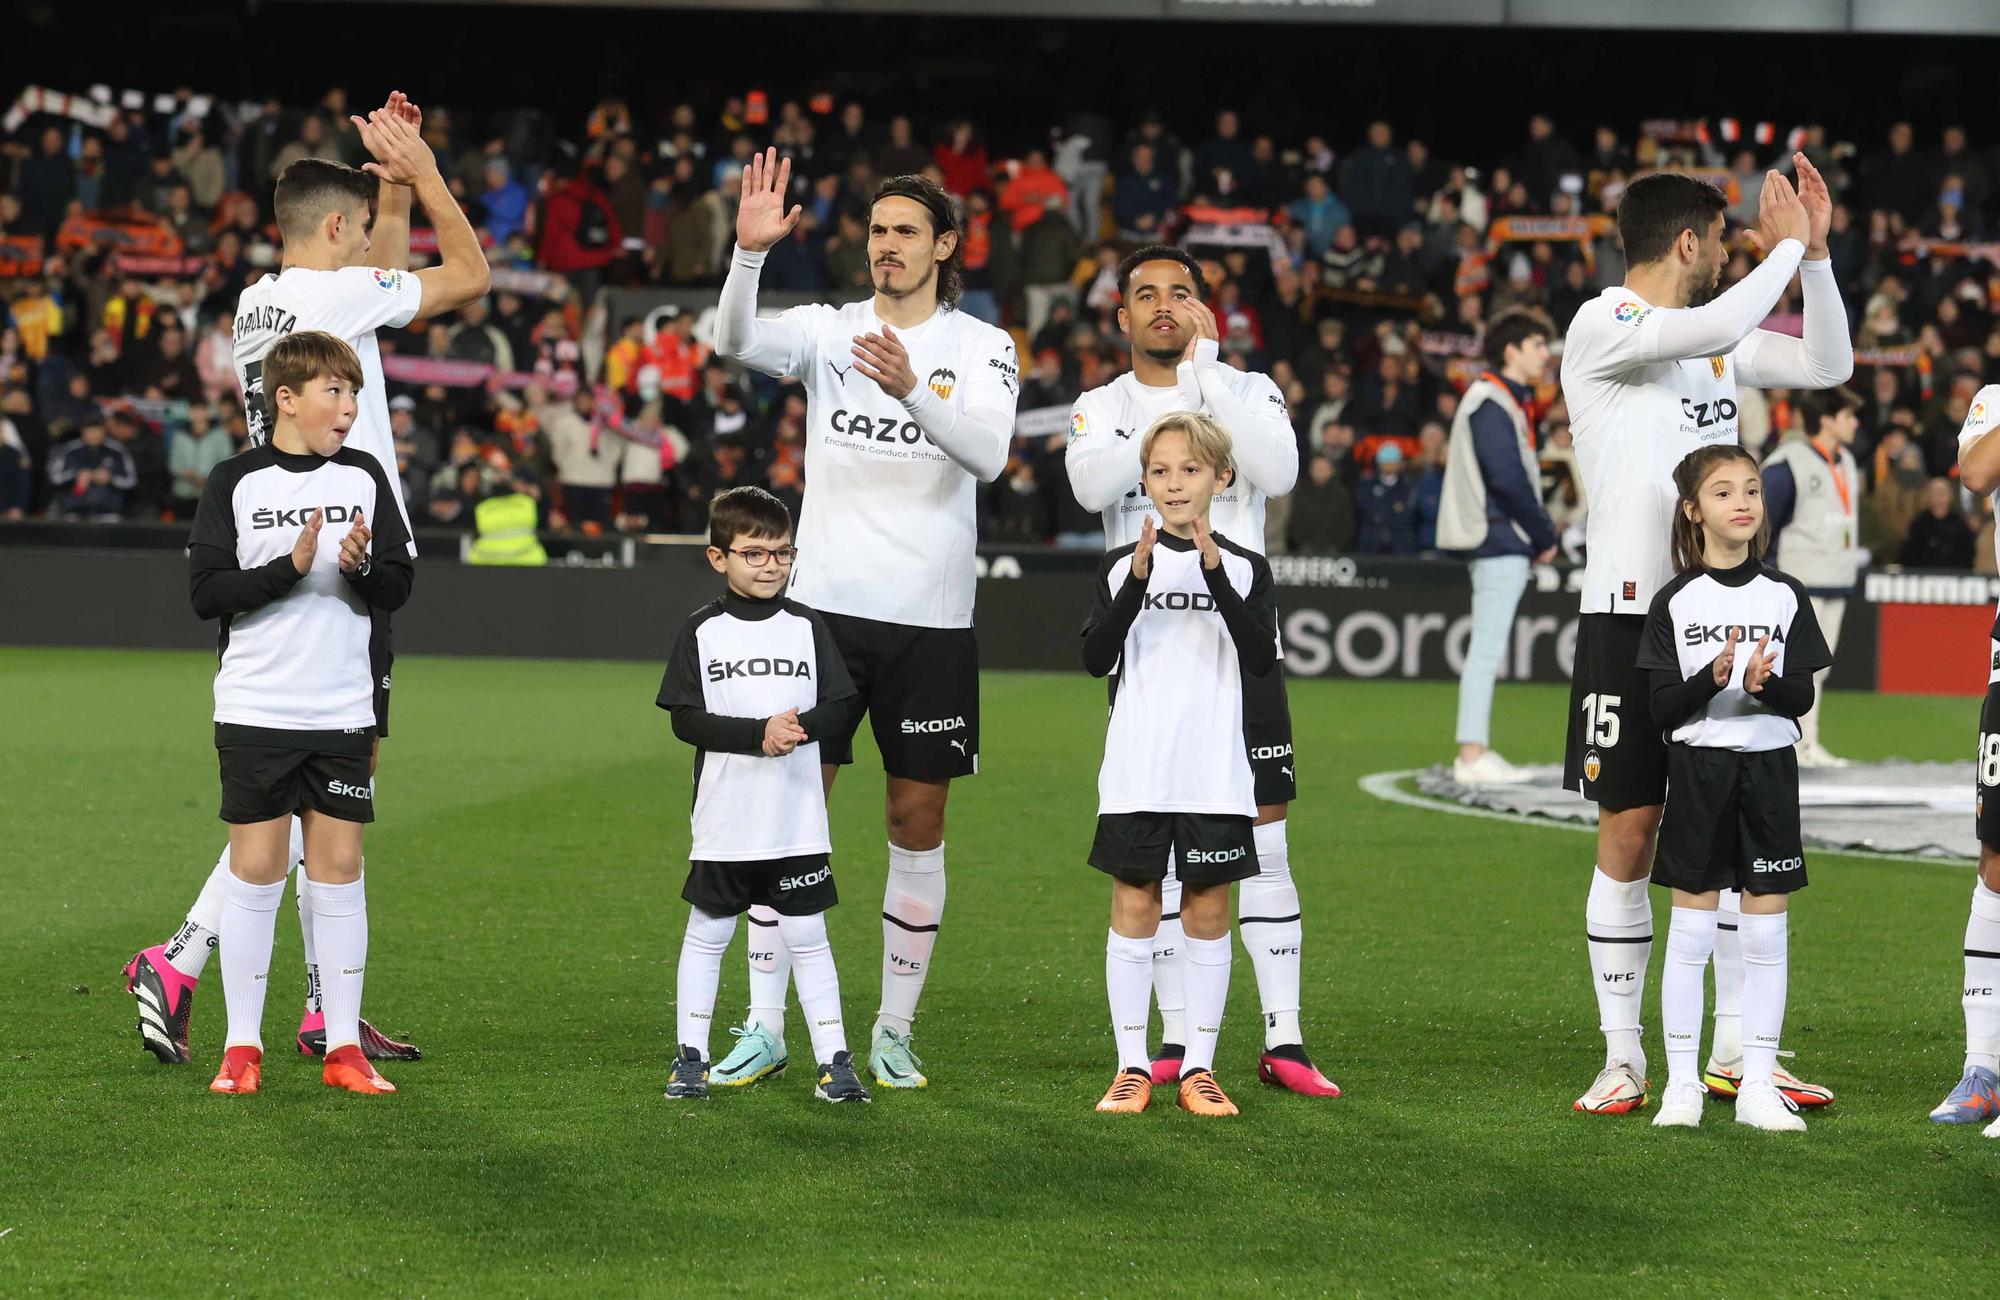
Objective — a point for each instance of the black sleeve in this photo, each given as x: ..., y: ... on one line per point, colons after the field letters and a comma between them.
x: 1788, y: 696
x: 836, y: 688
x: 682, y: 696
x: 217, y: 587
x: 1110, y: 618
x: 1252, y: 620
x: 1806, y: 651
x: 1656, y: 644
x: 1675, y: 700
x: 390, y: 574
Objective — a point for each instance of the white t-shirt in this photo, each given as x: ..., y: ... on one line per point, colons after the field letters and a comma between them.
x: 299, y: 663
x: 745, y: 661
x: 1645, y: 386
x: 351, y: 303
x: 1106, y: 423
x: 1688, y: 626
x: 890, y: 523
x: 1175, y: 740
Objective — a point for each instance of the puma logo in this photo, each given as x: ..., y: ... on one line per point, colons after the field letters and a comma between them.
x: 838, y: 373
x: 1288, y: 773
x: 958, y: 745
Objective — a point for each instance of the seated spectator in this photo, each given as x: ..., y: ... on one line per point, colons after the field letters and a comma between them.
x: 476, y: 338
x: 1016, y: 504
x: 1387, y: 507
x: 1319, y: 214
x: 1940, y: 537
x: 91, y: 475
x: 1033, y: 190
x: 195, y: 453
x: 1897, y: 499
x: 1144, y: 198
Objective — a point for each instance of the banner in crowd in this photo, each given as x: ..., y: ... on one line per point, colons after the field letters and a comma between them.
x: 447, y: 372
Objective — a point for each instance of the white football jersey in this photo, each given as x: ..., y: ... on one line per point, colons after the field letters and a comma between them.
x: 1106, y: 423
x: 1175, y: 740
x: 301, y: 662
x: 1982, y: 418
x: 890, y: 525
x: 351, y: 303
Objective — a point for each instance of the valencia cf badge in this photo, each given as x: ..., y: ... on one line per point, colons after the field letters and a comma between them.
x: 1591, y: 766
x: 942, y: 381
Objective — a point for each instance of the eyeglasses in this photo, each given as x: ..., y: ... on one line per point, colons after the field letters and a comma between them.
x: 757, y: 556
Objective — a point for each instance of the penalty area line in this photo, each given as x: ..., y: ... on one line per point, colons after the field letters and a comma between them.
x: 1388, y: 787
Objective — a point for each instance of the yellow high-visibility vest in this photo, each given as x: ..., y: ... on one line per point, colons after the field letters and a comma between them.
x: 507, y: 532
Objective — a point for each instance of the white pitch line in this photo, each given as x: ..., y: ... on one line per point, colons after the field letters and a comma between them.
x: 1386, y: 786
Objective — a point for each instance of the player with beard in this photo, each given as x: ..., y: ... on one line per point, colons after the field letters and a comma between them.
x: 1176, y: 365
x: 910, y: 407
x: 1650, y: 371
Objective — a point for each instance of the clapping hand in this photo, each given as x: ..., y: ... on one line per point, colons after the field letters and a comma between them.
x: 354, y: 546
x: 1142, y: 555
x: 307, y: 546
x: 1204, y: 541
x: 1780, y: 216
x: 783, y: 734
x: 1760, y: 667
x: 882, y: 358
x: 1725, y: 663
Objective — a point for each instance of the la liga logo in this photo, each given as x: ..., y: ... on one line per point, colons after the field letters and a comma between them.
x: 1629, y: 312
x: 388, y: 281
x: 1976, y: 417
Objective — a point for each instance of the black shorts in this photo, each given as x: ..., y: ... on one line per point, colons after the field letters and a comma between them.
x: 1732, y: 822
x: 1615, y: 756
x: 920, y: 689
x: 267, y: 773
x: 1267, y: 731
x: 381, y: 658
x: 1986, y: 772
x: 1204, y: 848
x: 800, y: 886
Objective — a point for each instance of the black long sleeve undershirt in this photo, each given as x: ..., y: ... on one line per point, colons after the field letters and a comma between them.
x: 1256, y: 649
x: 218, y: 588
x: 1674, y: 700
x: 1106, y: 640
x: 386, y: 586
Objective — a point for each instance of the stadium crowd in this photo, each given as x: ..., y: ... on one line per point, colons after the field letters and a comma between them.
x: 1356, y: 271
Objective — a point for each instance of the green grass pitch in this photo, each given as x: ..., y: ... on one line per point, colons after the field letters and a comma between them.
x: 524, y: 877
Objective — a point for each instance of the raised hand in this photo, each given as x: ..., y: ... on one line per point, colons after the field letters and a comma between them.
x: 1142, y: 556
x: 401, y: 156
x: 1203, y: 321
x: 1204, y: 541
x: 1818, y: 201
x: 1761, y: 666
x: 1780, y: 216
x: 882, y: 358
x: 399, y: 105
x: 761, y: 219
x: 354, y: 546
x: 1725, y: 663
x: 307, y: 546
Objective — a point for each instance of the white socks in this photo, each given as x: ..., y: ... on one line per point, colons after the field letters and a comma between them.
x: 819, y: 984
x: 1618, y: 922
x: 1129, y: 967
x: 340, y: 922
x: 702, y: 948
x: 1207, y: 992
x: 1690, y: 941
x: 770, y: 971
x: 1982, y: 980
x: 912, y: 905
x: 1170, y: 962
x: 1728, y: 976
x: 188, y: 951
x: 1267, y: 921
x: 246, y: 929
x: 1766, y: 955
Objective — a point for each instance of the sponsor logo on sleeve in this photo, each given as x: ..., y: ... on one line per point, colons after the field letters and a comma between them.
x: 1631, y: 314
x: 1078, y: 426
x: 388, y: 281
x: 1976, y: 417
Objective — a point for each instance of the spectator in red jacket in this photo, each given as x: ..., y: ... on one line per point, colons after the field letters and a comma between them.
x: 1034, y: 189
x: 580, y: 234
x: 962, y: 159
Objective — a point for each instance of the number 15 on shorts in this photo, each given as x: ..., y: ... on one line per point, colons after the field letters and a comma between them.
x: 1600, y: 719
